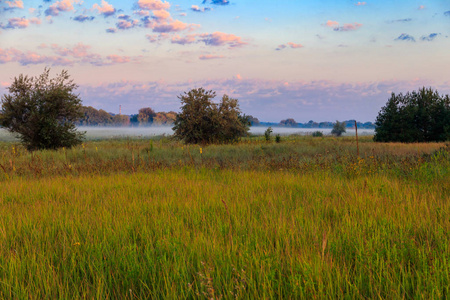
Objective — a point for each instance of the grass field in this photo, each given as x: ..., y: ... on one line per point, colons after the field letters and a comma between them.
x: 305, y: 218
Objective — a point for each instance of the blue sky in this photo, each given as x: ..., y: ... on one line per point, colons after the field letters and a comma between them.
x: 320, y: 60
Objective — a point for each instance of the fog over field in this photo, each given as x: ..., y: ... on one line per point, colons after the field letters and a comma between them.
x: 97, y: 132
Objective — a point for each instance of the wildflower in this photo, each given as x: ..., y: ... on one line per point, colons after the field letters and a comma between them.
x: 200, y: 150
x: 77, y: 244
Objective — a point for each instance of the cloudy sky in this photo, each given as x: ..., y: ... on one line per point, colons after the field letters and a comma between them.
x: 304, y: 59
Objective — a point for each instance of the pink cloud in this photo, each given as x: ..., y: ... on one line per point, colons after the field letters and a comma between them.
x: 295, y: 46
x: 360, y: 3
x: 330, y: 23
x: 142, y: 12
x: 169, y: 27
x: 345, y: 27
x: 161, y: 14
x: 220, y: 39
x: 188, y: 39
x: 421, y: 7
x: 27, y: 58
x: 153, y: 4
x: 105, y: 9
x: 118, y: 59
x: 124, y: 24
x: 17, y: 23
x: 58, y: 6
x: 209, y: 56
x: 348, y: 27
x: 18, y: 3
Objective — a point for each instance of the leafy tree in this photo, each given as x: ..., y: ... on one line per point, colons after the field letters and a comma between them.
x: 93, y: 117
x: 338, y: 128
x: 42, y: 111
x: 253, y: 121
x: 288, y: 123
x: 146, y: 115
x: 121, y: 120
x: 421, y: 116
x: 203, y: 121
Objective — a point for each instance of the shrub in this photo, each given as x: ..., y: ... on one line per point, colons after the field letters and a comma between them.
x: 202, y: 121
x: 338, y: 128
x: 267, y: 133
x: 278, y: 138
x: 317, y: 134
x: 42, y: 111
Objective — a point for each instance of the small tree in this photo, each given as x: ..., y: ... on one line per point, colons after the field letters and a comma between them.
x: 42, y: 111
x: 203, y: 121
x: 338, y: 128
x: 267, y: 133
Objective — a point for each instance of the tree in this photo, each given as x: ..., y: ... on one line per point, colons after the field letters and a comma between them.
x: 338, y: 128
x: 422, y: 116
x: 203, y: 121
x: 92, y: 117
x: 42, y: 111
x: 288, y: 123
x: 146, y: 115
x: 253, y: 121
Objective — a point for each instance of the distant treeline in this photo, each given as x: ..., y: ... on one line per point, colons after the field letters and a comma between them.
x: 312, y: 124
x: 147, y: 116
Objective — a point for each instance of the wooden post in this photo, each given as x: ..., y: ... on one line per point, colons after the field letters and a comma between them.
x: 357, y: 142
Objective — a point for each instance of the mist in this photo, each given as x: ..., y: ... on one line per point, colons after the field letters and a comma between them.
x: 97, y: 132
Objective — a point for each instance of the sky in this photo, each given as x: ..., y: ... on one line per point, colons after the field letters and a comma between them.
x: 318, y: 60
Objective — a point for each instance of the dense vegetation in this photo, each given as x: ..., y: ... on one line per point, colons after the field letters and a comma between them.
x: 42, y: 111
x: 201, y: 121
x: 304, y: 218
x: 421, y: 116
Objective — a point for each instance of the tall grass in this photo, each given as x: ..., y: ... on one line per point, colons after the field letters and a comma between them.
x: 100, y: 224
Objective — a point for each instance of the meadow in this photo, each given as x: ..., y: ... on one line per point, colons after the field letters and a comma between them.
x: 138, y: 218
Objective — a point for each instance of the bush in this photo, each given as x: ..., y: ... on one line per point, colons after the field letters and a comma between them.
x: 422, y: 116
x: 278, y: 138
x: 338, y: 128
x: 267, y: 133
x: 317, y: 134
x: 42, y: 111
x: 202, y: 121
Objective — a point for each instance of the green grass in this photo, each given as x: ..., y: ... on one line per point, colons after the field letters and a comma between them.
x: 305, y: 218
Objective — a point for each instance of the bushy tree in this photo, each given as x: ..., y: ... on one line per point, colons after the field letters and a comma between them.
x: 338, y: 128
x: 42, y: 111
x: 288, y: 123
x: 421, y: 116
x: 203, y: 121
x: 146, y: 115
x: 93, y: 117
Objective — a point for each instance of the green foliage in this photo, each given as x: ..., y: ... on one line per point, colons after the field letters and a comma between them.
x: 267, y: 134
x: 202, y: 121
x: 42, y: 111
x: 338, y: 128
x: 422, y: 116
x: 317, y: 134
x: 277, y: 138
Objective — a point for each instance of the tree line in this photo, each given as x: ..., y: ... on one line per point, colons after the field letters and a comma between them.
x: 145, y: 117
